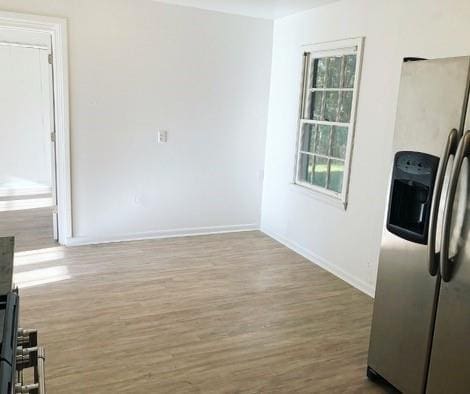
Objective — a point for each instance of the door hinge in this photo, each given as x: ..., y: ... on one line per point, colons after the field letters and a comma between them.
x: 53, y: 136
x: 49, y: 58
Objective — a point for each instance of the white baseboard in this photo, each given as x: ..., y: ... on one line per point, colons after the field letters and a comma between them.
x: 24, y: 191
x: 323, y: 263
x: 184, y: 232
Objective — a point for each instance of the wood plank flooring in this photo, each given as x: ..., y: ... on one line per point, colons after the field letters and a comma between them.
x: 234, y: 313
x: 32, y: 228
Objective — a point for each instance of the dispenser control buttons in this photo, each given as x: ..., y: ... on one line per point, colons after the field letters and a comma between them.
x: 408, y: 164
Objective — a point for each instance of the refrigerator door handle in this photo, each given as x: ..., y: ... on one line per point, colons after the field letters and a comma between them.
x: 463, y: 151
x: 449, y: 150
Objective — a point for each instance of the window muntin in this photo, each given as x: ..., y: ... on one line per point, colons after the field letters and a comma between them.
x: 327, y: 119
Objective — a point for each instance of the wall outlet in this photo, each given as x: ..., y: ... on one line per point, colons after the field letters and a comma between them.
x: 162, y: 136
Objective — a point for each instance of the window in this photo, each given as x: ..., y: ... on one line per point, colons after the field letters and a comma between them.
x: 328, y: 106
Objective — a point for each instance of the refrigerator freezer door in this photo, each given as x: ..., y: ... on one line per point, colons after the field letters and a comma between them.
x: 449, y: 370
x: 431, y: 103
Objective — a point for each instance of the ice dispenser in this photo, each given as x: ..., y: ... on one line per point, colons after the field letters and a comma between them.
x: 411, y: 191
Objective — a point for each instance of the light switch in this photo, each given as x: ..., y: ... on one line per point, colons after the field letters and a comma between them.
x: 162, y: 136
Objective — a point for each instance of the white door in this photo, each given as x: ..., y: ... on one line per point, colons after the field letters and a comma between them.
x: 55, y: 217
x: 27, y: 121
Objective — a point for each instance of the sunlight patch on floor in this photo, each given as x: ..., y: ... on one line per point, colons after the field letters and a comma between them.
x: 41, y: 276
x: 39, y: 256
x: 33, y: 203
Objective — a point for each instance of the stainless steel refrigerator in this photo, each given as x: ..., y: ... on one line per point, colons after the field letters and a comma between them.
x: 420, y: 335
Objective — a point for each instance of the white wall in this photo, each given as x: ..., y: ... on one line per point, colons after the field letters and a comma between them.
x: 348, y: 242
x: 25, y: 149
x: 137, y: 66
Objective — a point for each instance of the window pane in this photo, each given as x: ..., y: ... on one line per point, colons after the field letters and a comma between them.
x: 319, y: 72
x: 322, y: 146
x: 349, y: 71
x: 308, y: 137
x: 335, y: 181
x: 339, y: 141
x: 316, y: 105
x: 331, y: 106
x: 326, y: 124
x: 345, y: 107
x: 306, y: 164
x: 333, y: 72
x: 319, y: 172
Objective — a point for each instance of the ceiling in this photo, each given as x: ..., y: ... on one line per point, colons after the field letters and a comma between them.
x: 268, y: 9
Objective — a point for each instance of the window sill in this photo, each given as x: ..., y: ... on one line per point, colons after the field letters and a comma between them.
x: 319, y: 196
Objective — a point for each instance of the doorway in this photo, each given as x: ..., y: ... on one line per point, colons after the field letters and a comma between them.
x: 27, y: 151
x: 35, y: 203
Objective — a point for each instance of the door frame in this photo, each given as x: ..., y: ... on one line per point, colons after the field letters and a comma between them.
x: 57, y: 28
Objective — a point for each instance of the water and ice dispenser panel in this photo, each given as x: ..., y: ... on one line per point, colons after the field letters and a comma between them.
x: 411, y: 193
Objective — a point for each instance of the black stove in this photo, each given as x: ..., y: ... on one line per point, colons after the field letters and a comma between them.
x: 19, y: 348
x: 9, y: 312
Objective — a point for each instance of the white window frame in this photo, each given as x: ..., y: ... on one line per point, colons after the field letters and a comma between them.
x: 310, y: 52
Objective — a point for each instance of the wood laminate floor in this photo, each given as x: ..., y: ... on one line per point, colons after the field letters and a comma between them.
x: 233, y: 313
x: 32, y: 228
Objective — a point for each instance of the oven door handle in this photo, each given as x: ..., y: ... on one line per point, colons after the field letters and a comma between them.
x: 10, y: 328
